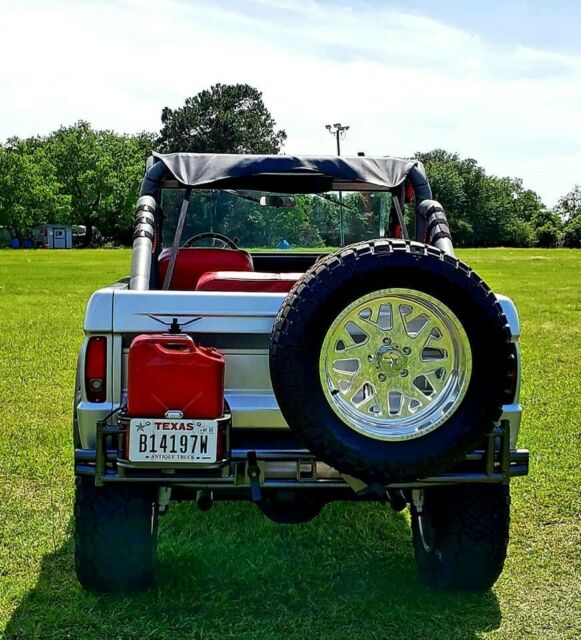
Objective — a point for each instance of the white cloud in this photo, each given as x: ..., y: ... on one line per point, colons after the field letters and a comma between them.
x: 402, y: 82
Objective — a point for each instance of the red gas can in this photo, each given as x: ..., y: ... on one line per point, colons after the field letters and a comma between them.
x: 169, y: 371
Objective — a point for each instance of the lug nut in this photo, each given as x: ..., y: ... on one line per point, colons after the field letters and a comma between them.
x: 371, y: 357
x: 381, y: 377
x: 403, y: 373
x: 386, y: 341
x: 407, y: 351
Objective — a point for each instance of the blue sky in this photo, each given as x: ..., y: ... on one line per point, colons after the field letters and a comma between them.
x: 496, y: 81
x: 537, y: 23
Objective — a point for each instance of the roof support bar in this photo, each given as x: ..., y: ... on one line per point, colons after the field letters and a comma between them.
x: 177, y: 238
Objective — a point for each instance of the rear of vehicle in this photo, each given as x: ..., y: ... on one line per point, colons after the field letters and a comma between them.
x: 382, y: 370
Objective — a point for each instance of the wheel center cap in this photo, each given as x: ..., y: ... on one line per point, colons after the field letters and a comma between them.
x: 391, y: 360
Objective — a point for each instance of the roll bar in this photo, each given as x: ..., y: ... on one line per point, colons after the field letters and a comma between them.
x: 431, y: 222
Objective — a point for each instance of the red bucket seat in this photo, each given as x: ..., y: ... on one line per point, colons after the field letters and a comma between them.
x: 193, y: 262
x: 255, y: 281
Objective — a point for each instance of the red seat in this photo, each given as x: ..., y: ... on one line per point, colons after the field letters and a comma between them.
x: 252, y: 282
x: 193, y: 262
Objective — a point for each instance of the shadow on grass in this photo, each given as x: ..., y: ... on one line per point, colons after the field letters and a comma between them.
x: 231, y: 573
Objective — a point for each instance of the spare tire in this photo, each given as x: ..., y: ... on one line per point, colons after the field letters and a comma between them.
x: 390, y: 360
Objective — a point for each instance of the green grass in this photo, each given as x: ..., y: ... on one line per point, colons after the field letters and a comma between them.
x: 230, y: 573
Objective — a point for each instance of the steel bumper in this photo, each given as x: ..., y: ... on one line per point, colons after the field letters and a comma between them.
x: 243, y: 470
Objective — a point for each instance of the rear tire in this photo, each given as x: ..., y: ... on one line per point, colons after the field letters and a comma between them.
x: 461, y: 535
x: 115, y: 537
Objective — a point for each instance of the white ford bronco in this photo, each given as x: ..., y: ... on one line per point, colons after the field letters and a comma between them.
x: 367, y: 365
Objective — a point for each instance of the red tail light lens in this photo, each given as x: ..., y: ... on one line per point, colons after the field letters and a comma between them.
x: 96, y: 369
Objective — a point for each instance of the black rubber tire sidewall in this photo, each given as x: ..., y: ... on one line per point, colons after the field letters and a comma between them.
x: 323, y: 293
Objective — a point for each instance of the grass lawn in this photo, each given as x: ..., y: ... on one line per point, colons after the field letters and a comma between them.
x: 230, y: 573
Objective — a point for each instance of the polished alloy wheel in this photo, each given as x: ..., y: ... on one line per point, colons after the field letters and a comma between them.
x: 395, y: 364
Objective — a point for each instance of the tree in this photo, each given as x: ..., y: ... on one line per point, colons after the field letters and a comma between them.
x: 569, y: 206
x: 30, y: 193
x: 101, y: 171
x: 572, y: 233
x: 548, y: 236
x: 457, y: 185
x: 222, y: 119
x: 482, y: 210
x: 547, y: 228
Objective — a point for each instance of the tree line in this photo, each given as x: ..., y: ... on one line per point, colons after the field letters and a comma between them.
x: 77, y: 175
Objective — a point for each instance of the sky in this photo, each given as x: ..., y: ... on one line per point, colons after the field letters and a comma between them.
x: 498, y: 81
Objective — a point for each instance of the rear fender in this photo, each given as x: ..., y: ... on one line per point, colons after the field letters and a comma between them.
x: 98, y: 322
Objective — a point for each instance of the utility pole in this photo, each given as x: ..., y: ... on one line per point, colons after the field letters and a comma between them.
x: 338, y: 130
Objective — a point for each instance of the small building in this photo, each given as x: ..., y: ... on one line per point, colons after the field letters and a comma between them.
x: 52, y: 236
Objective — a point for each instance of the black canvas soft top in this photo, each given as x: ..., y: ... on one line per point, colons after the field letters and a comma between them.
x: 278, y: 173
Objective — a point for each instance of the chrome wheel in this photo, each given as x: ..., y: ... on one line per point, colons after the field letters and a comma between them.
x: 395, y: 364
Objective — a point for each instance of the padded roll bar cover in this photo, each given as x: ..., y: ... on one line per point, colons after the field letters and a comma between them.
x: 434, y: 223
x: 143, y: 232
x: 422, y: 192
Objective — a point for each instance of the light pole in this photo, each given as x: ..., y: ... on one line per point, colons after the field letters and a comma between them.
x: 338, y: 130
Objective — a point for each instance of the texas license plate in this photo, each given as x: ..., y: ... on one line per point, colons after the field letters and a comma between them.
x: 175, y: 441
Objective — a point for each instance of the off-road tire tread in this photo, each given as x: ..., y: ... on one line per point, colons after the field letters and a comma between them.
x: 115, y: 538
x: 472, y: 532
x: 286, y: 369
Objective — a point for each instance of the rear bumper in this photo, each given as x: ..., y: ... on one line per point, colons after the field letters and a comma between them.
x: 249, y: 468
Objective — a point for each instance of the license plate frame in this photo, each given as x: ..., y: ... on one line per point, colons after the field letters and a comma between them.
x: 181, y: 442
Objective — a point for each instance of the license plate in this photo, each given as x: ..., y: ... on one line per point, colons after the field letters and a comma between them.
x: 175, y: 441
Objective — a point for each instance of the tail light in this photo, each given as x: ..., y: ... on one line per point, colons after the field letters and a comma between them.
x: 409, y: 192
x: 96, y: 369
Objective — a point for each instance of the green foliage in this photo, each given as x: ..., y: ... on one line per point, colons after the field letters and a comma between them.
x: 76, y: 175
x: 482, y: 210
x: 522, y: 234
x: 547, y: 229
x: 569, y: 206
x: 548, y: 236
x: 572, y: 233
x: 223, y: 119
x: 30, y: 192
x: 101, y: 171
x: 81, y: 176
